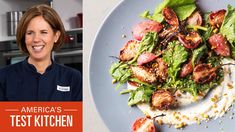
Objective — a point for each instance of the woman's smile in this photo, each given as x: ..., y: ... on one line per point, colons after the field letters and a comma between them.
x: 38, y: 48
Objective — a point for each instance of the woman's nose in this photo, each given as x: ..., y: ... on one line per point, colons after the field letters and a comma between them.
x: 36, y: 37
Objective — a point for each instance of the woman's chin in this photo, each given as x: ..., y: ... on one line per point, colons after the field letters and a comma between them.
x: 38, y: 57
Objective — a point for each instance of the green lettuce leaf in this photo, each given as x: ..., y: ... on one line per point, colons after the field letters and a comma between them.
x: 184, y: 11
x: 182, y: 8
x: 228, y: 27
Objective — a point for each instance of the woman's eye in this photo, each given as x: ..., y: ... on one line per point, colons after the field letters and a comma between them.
x: 28, y: 33
x: 44, y: 32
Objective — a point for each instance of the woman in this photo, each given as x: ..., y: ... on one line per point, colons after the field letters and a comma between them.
x: 38, y: 77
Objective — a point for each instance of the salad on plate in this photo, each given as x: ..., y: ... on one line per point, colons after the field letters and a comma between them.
x: 179, y: 66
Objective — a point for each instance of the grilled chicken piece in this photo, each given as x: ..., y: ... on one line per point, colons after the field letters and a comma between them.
x: 190, y: 41
x: 162, y: 100
x: 144, y: 27
x: 129, y: 50
x: 195, y: 19
x: 144, y: 74
x: 219, y: 44
x: 170, y: 16
x: 171, y: 32
x: 168, y: 31
x: 186, y: 69
x: 204, y: 73
x: 216, y: 18
x: 143, y: 124
x: 161, y: 70
x: 168, y: 34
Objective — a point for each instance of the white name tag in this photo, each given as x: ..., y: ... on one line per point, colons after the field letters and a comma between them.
x: 63, y: 88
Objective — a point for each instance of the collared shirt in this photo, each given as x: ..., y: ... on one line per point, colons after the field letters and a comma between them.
x: 22, y: 82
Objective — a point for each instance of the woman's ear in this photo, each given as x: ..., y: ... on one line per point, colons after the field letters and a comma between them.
x: 57, y: 36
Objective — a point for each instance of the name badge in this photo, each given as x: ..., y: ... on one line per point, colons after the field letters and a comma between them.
x: 63, y: 88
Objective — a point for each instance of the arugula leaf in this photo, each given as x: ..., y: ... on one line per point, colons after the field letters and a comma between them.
x: 214, y: 61
x: 140, y: 95
x: 146, y: 14
x: 228, y: 27
x: 168, y: 54
x: 147, y: 44
x: 113, y: 67
x: 193, y: 88
x: 136, y: 97
x: 155, y: 17
x: 233, y: 50
x: 182, y: 8
x: 207, y: 34
x: 125, y: 91
x: 174, y: 56
x: 205, y: 31
x: 120, y: 72
x: 187, y: 85
x: 140, y: 82
x: 198, y: 53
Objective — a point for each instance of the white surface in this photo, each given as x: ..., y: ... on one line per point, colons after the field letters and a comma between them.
x: 94, y: 14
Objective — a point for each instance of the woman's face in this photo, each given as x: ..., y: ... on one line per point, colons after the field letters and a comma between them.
x: 39, y: 39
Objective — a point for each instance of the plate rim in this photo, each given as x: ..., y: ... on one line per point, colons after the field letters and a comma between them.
x: 91, y: 92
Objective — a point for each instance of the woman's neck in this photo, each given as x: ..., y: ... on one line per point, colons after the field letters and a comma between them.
x: 40, y: 65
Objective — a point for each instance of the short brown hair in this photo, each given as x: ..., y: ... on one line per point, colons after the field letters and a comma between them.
x: 49, y: 16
